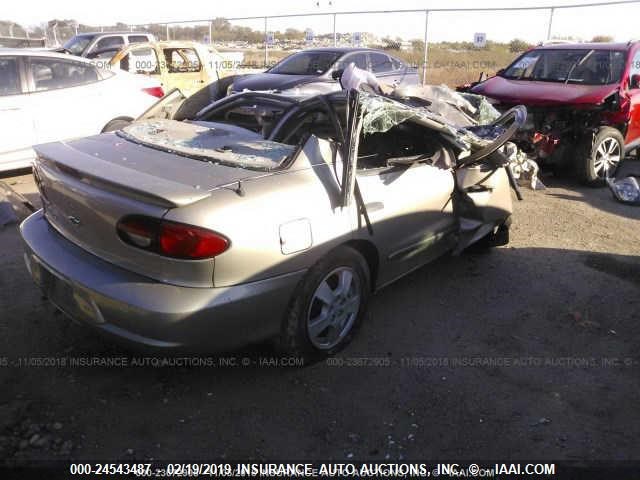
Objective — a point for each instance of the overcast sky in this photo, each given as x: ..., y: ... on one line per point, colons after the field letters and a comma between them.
x: 619, y: 21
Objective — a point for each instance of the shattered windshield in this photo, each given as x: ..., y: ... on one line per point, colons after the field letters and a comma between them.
x: 210, y: 142
x: 77, y: 44
x: 588, y: 67
x: 381, y: 114
x: 306, y: 63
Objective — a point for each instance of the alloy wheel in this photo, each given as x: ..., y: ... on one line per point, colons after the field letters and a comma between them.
x: 334, y: 308
x: 607, y: 157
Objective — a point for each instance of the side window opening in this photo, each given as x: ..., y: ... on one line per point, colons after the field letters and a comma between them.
x: 634, y: 68
x: 380, y: 63
x: 182, y: 60
x: 141, y: 60
x: 52, y: 74
x: 258, y: 119
x: 360, y: 60
x: 263, y: 117
x: 9, y: 78
x: 109, y: 42
x: 404, y: 143
x: 137, y: 38
x: 314, y: 122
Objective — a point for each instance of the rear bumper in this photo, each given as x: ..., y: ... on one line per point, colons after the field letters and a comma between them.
x: 146, y: 312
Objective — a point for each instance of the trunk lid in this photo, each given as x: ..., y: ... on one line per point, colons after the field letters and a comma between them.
x: 89, y: 184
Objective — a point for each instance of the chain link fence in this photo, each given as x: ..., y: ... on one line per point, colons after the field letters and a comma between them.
x: 262, y: 41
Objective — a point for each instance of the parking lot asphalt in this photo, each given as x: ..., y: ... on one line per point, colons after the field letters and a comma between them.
x: 531, y: 349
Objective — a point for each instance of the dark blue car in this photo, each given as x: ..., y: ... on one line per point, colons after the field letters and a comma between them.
x: 312, y: 71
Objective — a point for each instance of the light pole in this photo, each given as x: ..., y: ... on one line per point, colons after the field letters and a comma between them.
x: 424, y: 57
x: 266, y: 44
x: 550, y: 22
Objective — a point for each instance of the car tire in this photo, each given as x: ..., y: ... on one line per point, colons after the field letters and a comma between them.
x: 328, y: 306
x: 117, y: 124
x: 598, y: 154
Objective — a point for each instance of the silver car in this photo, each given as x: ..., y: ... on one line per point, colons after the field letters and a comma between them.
x: 259, y: 216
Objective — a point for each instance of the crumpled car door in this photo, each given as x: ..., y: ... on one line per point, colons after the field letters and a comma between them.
x: 175, y: 105
x: 166, y: 107
x: 482, y: 199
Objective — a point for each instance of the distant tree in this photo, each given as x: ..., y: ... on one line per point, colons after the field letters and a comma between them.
x: 516, y: 45
x: 602, y: 38
x: 221, y: 24
x: 293, y: 34
x: 417, y: 44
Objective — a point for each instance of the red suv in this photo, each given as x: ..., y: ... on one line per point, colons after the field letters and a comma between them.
x: 583, y: 101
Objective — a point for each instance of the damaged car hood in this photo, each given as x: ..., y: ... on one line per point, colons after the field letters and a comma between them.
x: 533, y: 93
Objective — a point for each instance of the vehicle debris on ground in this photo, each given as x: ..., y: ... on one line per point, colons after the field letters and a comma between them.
x: 625, y: 184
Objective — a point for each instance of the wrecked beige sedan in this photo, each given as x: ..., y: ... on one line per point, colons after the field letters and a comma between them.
x: 260, y: 216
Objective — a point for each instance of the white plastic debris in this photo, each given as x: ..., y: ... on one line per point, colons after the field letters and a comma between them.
x: 525, y: 170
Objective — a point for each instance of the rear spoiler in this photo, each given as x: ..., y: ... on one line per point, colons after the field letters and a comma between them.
x: 116, y: 178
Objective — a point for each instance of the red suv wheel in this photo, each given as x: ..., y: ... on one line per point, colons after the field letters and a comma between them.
x: 599, y: 156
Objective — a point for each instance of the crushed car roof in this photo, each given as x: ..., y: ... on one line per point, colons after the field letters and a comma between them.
x: 211, y: 141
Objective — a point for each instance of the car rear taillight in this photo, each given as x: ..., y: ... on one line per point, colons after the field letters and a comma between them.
x: 185, y: 241
x: 154, y: 91
x: 171, y: 239
x: 138, y: 231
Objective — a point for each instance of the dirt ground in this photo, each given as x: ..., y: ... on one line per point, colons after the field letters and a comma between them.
x: 531, y: 349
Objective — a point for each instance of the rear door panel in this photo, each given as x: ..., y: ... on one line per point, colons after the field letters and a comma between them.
x: 60, y: 108
x: 411, y: 212
x: 16, y: 117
